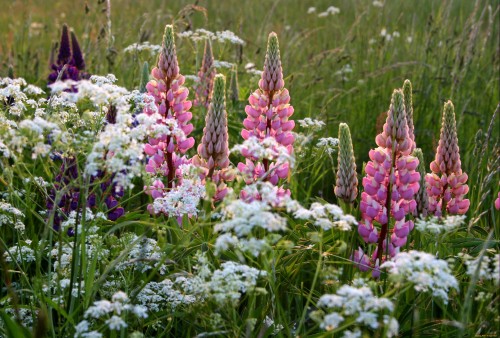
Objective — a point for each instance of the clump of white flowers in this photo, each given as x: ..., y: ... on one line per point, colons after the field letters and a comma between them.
x: 359, y: 306
x: 332, y: 10
x: 311, y: 123
x: 437, y: 226
x: 232, y: 280
x: 426, y: 272
x: 168, y: 294
x: 330, y: 144
x: 9, y: 215
x: 21, y: 253
x: 141, y: 47
x: 182, y: 199
x: 203, y: 34
x: 267, y: 148
x: 144, y: 255
x: 486, y: 267
x: 109, y: 315
x: 326, y: 216
x: 241, y: 221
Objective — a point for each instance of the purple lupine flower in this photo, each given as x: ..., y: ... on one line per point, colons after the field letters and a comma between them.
x: 268, y: 117
x: 390, y: 185
x: 446, y: 185
x: 206, y: 77
x: 69, y: 59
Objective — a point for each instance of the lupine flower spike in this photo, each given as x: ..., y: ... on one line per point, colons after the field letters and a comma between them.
x: 171, y: 101
x: 389, y: 186
x: 346, y: 187
x: 213, y: 151
x: 497, y: 202
x: 69, y: 59
x: 446, y: 185
x: 206, y: 77
x: 268, y: 117
x: 421, y: 197
x: 408, y: 101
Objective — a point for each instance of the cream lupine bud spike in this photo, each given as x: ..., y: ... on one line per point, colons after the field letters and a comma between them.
x: 421, y: 197
x: 346, y: 186
x: 206, y: 76
x: 272, y: 76
x: 167, y: 62
x: 446, y: 185
x: 214, y: 145
x: 408, y: 101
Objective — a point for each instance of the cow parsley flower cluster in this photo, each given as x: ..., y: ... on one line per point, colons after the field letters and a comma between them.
x: 144, y: 255
x: 359, y: 306
x: 426, y: 272
x: 221, y: 36
x: 437, y: 226
x: 311, y: 123
x: 143, y: 47
x: 109, y: 315
x: 486, y: 267
x: 9, y: 215
x: 326, y: 216
x: 329, y: 143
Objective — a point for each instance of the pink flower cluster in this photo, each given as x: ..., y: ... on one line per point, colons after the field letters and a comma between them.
x: 446, y: 185
x: 171, y: 101
x: 390, y: 185
x: 268, y: 116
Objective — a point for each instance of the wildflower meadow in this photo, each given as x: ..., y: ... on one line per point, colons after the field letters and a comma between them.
x: 259, y: 168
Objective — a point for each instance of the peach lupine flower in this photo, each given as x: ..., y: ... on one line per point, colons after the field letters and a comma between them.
x: 446, y: 185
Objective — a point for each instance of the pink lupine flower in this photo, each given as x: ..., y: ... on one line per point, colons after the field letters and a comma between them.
x: 390, y: 185
x: 206, y: 77
x: 446, y: 185
x: 173, y: 107
x: 497, y: 202
x: 268, y: 116
x: 213, y: 151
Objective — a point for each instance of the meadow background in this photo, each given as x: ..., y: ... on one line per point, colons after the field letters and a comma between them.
x: 338, y: 68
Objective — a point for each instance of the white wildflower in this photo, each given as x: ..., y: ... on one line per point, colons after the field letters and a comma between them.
x: 427, y: 273
x: 329, y: 143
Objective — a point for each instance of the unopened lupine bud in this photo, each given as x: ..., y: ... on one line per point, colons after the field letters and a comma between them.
x: 205, y: 77
x: 390, y: 182
x: 346, y: 186
x: 421, y: 197
x: 167, y: 62
x: 446, y: 185
x: 213, y: 151
x: 272, y: 76
x: 408, y: 101
x: 214, y: 145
